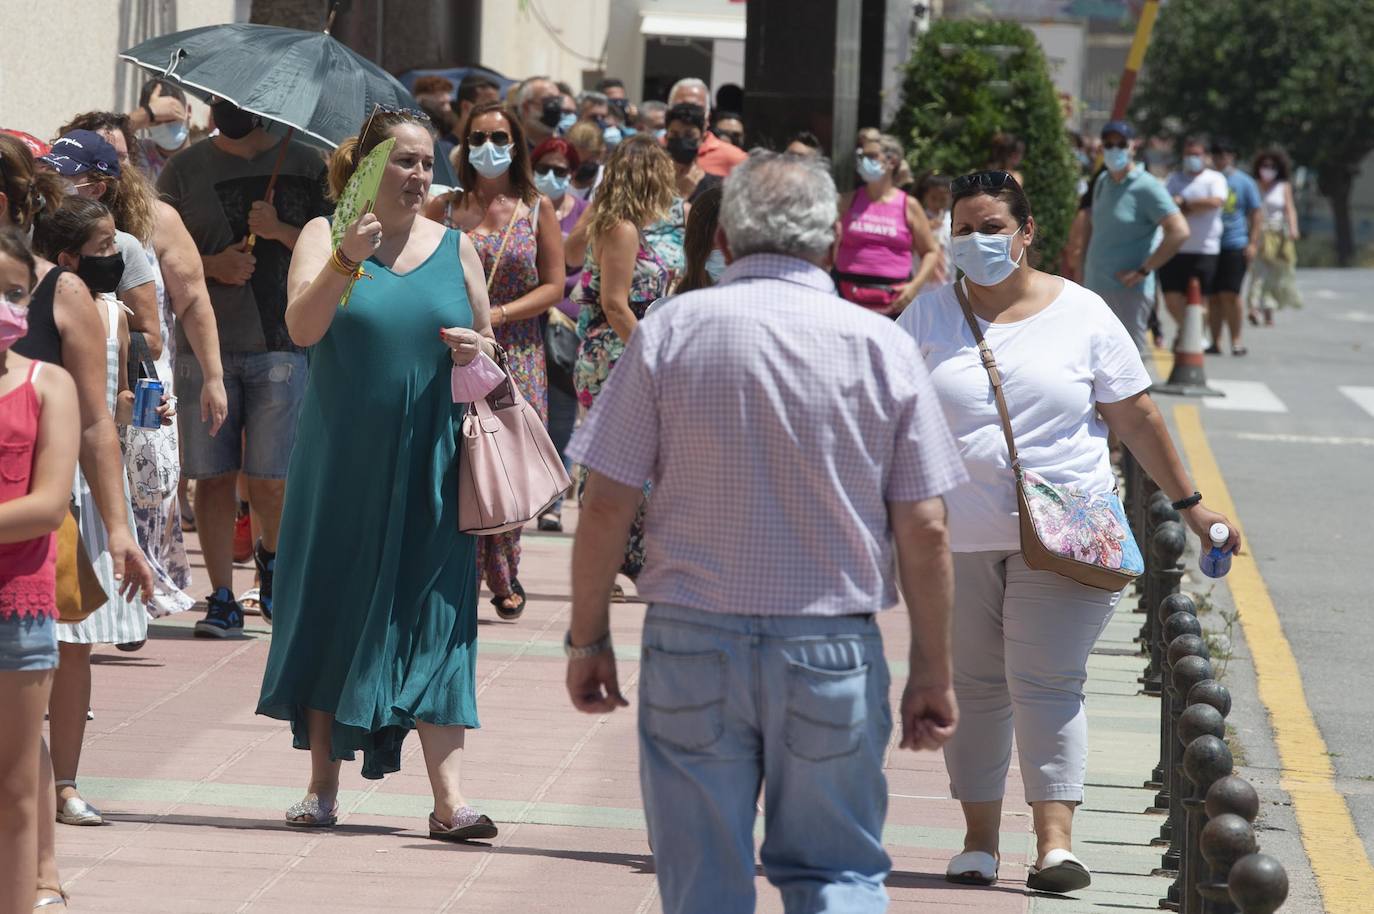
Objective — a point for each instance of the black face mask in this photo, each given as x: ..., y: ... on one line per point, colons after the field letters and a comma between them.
x: 551, y: 111
x: 101, y: 274
x: 233, y: 121
x: 683, y: 149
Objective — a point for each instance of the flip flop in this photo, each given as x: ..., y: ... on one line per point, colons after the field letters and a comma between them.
x: 972, y: 868
x: 1060, y: 872
x: 468, y: 825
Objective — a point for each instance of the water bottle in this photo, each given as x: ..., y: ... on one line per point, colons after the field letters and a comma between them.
x: 1215, y: 562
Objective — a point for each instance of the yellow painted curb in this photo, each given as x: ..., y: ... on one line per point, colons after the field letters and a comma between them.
x: 1333, y: 845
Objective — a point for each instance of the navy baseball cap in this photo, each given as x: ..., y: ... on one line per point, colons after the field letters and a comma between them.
x: 1120, y: 127
x: 81, y: 151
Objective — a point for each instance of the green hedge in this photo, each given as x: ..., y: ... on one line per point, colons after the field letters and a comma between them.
x: 952, y: 107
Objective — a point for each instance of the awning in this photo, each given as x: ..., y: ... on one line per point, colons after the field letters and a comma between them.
x: 686, y: 25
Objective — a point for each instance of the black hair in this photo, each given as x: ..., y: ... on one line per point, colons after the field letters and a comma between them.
x: 168, y: 87
x: 1009, y: 192
x: 69, y: 227
x: 721, y: 114
x: 700, y: 237
x: 931, y: 180
x: 1222, y: 145
x: 472, y: 84
x: 1195, y: 139
x: 1278, y: 157
x: 610, y: 82
x: 688, y: 113
x: 806, y: 138
x: 14, y: 244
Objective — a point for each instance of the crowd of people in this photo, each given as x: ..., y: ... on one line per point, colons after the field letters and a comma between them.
x: 691, y: 322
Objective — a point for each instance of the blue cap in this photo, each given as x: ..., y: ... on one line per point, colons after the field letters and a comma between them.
x: 1120, y: 127
x: 81, y: 151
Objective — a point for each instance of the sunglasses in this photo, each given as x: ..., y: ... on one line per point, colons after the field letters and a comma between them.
x: 480, y: 137
x: 414, y: 113
x: 1123, y: 144
x: 558, y: 170
x: 992, y: 180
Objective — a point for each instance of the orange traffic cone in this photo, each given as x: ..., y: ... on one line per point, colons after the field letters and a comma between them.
x: 1188, y: 377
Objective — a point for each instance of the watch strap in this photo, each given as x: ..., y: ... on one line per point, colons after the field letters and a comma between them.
x: 1183, y: 504
x: 575, y: 652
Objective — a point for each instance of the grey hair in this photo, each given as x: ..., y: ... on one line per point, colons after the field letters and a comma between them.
x: 650, y: 107
x: 523, y: 88
x: 776, y: 203
x: 591, y: 97
x: 691, y: 82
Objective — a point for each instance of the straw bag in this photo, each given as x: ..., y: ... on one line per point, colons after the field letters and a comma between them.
x: 1082, y: 537
x: 509, y: 471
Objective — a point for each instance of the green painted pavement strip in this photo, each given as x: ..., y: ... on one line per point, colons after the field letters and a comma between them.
x: 508, y: 812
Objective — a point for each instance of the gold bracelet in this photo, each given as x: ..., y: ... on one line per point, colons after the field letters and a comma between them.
x: 504, y: 319
x: 342, y: 265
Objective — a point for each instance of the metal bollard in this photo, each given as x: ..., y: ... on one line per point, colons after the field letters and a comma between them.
x: 1211, y: 692
x: 1259, y: 884
x: 1181, y: 620
x: 1206, y: 761
x: 1188, y: 669
x: 1225, y: 840
x: 1229, y: 796
x: 1166, y: 544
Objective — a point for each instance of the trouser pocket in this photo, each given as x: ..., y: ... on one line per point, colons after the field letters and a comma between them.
x: 826, y: 711
x: 683, y: 697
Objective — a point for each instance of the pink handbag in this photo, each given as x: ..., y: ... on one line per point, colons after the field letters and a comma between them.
x: 509, y: 471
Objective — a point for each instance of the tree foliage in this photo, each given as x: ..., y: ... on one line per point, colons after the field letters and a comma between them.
x: 1293, y: 73
x: 969, y: 80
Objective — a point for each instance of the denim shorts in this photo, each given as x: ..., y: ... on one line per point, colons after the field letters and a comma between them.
x: 265, y: 390
x: 28, y: 644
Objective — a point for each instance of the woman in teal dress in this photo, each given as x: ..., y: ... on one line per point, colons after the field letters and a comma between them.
x: 375, y: 628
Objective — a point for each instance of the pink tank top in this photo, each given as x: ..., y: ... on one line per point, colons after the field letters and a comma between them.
x: 876, y: 241
x: 28, y: 578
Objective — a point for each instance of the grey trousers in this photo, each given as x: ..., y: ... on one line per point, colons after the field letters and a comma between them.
x: 1132, y: 307
x: 1021, y: 645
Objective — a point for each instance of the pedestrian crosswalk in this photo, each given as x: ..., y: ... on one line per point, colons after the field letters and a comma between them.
x: 1249, y: 396
x: 1363, y: 397
x: 1259, y: 397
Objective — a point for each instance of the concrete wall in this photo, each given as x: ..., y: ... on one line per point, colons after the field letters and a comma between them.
x: 59, y: 59
x: 557, y: 38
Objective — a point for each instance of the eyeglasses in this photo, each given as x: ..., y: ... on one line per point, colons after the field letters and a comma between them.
x: 992, y: 180
x: 480, y: 137
x: 558, y: 170
x: 17, y: 297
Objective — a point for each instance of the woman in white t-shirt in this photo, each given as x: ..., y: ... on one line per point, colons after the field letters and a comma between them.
x: 1022, y: 637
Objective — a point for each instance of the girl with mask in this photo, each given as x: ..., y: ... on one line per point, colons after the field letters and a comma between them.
x: 40, y: 424
x: 555, y: 161
x: 64, y: 322
x: 1276, y: 258
x: 1022, y: 637
x: 79, y: 237
x: 883, y: 231
x: 517, y: 233
x: 163, y: 139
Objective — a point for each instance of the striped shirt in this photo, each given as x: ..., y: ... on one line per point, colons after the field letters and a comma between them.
x: 775, y: 421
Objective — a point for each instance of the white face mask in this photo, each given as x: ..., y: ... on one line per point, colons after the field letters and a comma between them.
x: 985, y: 259
x: 171, y: 136
x: 1268, y: 173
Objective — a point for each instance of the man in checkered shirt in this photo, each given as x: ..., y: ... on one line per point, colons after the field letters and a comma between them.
x: 798, y: 455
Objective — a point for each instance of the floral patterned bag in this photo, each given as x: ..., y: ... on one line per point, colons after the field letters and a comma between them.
x: 1083, y: 537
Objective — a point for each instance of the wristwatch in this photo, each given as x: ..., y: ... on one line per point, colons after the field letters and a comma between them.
x: 573, y: 652
x: 1183, y: 504
x: 152, y: 118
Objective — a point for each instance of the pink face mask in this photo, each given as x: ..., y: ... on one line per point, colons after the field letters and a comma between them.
x: 14, y: 323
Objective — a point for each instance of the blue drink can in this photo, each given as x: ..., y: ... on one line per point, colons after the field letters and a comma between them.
x: 147, y: 399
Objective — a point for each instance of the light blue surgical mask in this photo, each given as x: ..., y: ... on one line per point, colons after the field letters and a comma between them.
x: 490, y: 160
x: 566, y: 122
x: 612, y: 136
x: 628, y: 131
x: 715, y: 264
x: 169, y: 136
x: 1116, y: 159
x: 550, y: 185
x: 660, y: 133
x: 1192, y: 164
x: 870, y: 170
x: 985, y: 259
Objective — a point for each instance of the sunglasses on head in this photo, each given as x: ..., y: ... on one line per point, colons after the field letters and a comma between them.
x: 480, y: 137
x: 412, y: 113
x: 558, y: 170
x: 992, y: 180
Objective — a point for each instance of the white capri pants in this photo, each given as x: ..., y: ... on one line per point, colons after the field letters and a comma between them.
x: 1021, y: 644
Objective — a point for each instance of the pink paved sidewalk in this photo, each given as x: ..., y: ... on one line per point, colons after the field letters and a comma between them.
x: 195, y: 786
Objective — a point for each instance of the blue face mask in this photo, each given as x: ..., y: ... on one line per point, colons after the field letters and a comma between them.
x: 1192, y: 164
x: 169, y: 136
x: 550, y: 185
x: 565, y: 123
x: 1116, y: 159
x: 985, y: 259
x: 715, y: 264
x: 490, y: 160
x: 628, y: 131
x: 870, y: 170
x: 660, y: 133
x: 612, y: 136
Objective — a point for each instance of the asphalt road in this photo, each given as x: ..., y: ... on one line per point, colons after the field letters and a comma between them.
x: 1295, y: 442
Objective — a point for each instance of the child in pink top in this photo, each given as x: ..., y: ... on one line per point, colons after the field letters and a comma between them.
x: 39, y: 436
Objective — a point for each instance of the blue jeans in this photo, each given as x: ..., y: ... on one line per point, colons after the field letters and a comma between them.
x: 265, y: 391
x: 795, y: 703
x: 562, y: 418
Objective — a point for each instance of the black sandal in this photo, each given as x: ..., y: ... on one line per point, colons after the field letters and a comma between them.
x: 510, y: 614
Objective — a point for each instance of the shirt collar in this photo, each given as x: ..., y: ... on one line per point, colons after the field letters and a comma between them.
x: 779, y: 266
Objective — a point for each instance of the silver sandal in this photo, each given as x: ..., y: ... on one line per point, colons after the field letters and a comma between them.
x: 468, y: 825
x: 75, y: 810
x: 310, y: 813
x: 57, y: 897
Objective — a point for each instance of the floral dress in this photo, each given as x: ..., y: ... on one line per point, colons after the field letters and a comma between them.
x: 498, y: 554
x: 668, y: 238
x: 602, y: 347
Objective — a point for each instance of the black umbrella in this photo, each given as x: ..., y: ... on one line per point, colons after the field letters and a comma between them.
x: 319, y: 89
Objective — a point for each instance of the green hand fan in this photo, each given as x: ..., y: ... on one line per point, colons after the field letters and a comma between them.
x: 361, y: 191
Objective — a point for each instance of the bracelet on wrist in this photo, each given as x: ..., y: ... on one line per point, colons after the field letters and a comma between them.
x: 152, y: 118
x: 575, y: 652
x: 341, y: 264
x: 1183, y: 504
